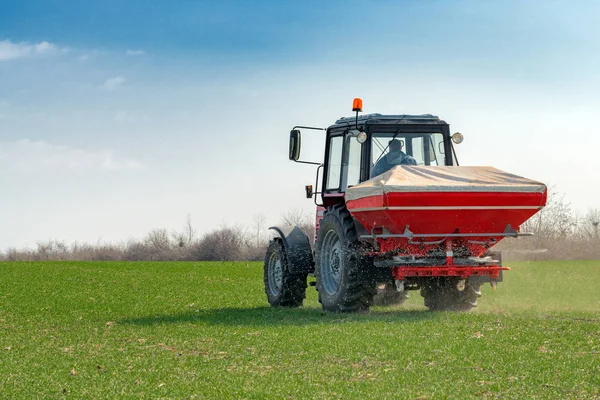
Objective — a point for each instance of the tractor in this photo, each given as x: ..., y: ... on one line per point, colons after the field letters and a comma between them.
x: 396, y: 213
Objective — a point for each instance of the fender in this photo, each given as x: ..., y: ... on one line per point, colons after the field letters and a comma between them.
x: 297, y: 248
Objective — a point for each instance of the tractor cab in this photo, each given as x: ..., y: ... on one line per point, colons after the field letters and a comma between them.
x: 359, y: 148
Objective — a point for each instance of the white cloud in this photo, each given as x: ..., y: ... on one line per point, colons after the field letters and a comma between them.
x: 135, y: 52
x: 113, y: 83
x: 88, y: 54
x: 35, y: 156
x: 12, y: 51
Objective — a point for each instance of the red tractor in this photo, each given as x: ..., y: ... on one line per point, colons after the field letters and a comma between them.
x: 395, y: 213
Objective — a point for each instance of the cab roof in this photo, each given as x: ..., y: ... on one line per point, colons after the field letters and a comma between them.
x: 391, y: 119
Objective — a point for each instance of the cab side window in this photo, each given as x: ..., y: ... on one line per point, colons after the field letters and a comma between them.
x: 353, y: 155
x: 334, y: 167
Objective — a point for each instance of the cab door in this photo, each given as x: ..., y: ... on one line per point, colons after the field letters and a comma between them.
x: 344, y: 165
x: 352, y: 161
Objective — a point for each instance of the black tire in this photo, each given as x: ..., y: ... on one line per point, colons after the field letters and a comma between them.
x: 387, y: 295
x: 282, y: 287
x: 441, y: 294
x: 344, y: 279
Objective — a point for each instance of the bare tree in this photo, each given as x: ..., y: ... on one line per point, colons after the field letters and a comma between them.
x: 224, y: 244
x: 590, y: 223
x: 299, y: 218
x: 259, y: 223
x: 158, y: 239
x: 295, y: 217
x: 187, y: 235
x: 51, y: 250
x: 554, y: 222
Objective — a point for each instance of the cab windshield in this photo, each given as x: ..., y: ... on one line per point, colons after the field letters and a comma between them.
x: 389, y: 150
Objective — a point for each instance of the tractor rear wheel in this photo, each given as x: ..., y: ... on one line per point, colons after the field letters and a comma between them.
x: 387, y: 295
x: 443, y: 294
x: 344, y: 281
x: 281, y: 286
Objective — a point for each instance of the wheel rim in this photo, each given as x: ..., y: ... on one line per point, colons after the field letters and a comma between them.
x: 331, y: 262
x: 275, y: 274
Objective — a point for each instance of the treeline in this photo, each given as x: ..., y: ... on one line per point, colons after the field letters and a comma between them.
x: 226, y: 243
x: 559, y: 233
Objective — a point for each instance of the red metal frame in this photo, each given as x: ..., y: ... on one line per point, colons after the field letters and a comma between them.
x: 493, y: 271
x: 449, y: 269
x: 319, y: 215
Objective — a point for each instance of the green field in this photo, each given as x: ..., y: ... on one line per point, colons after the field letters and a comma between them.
x: 204, y: 330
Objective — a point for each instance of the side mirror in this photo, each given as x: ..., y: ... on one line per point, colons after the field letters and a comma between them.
x: 295, y: 142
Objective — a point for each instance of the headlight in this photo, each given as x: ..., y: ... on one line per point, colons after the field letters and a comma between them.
x: 361, y: 137
x: 458, y: 138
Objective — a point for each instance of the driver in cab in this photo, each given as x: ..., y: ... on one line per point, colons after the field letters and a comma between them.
x: 395, y: 157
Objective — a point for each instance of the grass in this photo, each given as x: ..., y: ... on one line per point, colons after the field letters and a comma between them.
x: 204, y: 330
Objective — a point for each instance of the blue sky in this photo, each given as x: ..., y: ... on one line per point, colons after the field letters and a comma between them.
x: 117, y: 117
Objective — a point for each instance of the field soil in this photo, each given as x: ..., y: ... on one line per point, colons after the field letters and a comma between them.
x: 102, y: 330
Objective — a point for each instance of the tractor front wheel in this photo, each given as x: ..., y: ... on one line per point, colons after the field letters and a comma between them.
x: 443, y: 294
x: 343, y: 279
x: 281, y: 286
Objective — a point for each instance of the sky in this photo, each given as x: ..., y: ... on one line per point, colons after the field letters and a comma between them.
x: 120, y: 117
